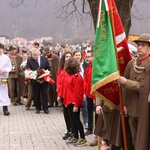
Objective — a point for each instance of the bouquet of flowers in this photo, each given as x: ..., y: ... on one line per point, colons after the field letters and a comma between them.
x: 29, y: 74
x: 40, y: 75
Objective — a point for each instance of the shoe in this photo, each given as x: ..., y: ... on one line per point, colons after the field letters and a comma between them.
x: 37, y: 111
x: 46, y: 111
x: 94, y: 143
x: 20, y: 103
x: 15, y: 104
x: 81, y: 142
x: 6, y: 113
x: 70, y: 137
x: 88, y: 132
x: 66, y: 136
x: 72, y: 141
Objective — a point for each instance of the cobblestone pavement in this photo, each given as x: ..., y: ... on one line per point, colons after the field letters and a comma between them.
x: 26, y: 130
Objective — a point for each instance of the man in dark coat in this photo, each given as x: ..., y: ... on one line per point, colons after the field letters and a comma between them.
x: 136, y: 83
x: 39, y: 89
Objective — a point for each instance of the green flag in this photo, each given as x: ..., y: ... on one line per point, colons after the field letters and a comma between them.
x: 105, y: 68
x: 108, y: 63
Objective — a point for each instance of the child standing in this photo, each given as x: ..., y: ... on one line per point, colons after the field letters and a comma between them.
x: 73, y: 100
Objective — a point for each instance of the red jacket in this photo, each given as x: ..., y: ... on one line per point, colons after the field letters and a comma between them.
x: 88, y: 81
x: 74, y: 90
x: 60, y: 82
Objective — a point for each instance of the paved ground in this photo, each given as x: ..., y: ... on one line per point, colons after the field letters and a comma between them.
x: 25, y: 130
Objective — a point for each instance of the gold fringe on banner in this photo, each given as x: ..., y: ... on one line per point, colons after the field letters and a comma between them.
x: 112, y: 77
x: 108, y: 103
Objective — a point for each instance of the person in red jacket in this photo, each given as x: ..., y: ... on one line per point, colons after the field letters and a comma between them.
x: 73, y: 100
x: 60, y: 91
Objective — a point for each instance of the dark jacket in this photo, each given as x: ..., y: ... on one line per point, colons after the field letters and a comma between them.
x: 32, y: 64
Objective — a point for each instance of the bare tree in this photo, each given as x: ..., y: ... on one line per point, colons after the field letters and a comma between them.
x: 16, y: 3
x: 124, y: 9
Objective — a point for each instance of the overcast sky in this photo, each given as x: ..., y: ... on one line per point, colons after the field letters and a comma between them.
x: 140, y: 17
x: 42, y: 18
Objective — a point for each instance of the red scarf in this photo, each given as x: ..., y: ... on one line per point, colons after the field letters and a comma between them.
x: 143, y: 58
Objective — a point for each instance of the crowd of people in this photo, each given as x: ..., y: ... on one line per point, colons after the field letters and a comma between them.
x: 67, y: 68
x: 72, y: 72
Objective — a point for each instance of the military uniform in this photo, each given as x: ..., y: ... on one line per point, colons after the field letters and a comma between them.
x: 131, y: 93
x: 108, y: 126
x: 136, y: 83
x: 15, y: 90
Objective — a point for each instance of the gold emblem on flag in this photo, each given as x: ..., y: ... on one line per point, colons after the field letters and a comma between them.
x: 121, y: 60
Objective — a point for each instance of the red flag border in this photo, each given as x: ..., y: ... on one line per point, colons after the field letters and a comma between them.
x: 108, y: 103
x: 112, y: 77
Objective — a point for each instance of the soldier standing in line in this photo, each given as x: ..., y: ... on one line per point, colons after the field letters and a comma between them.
x: 15, y: 91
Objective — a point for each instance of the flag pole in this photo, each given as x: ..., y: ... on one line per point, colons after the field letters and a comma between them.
x: 120, y: 90
x: 99, y: 12
x: 99, y: 142
x: 123, y: 119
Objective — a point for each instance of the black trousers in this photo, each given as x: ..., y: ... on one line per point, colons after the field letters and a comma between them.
x: 66, y: 117
x: 40, y: 91
x: 75, y: 122
x: 90, y: 108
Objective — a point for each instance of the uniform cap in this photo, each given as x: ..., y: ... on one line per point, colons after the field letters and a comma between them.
x: 143, y: 38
